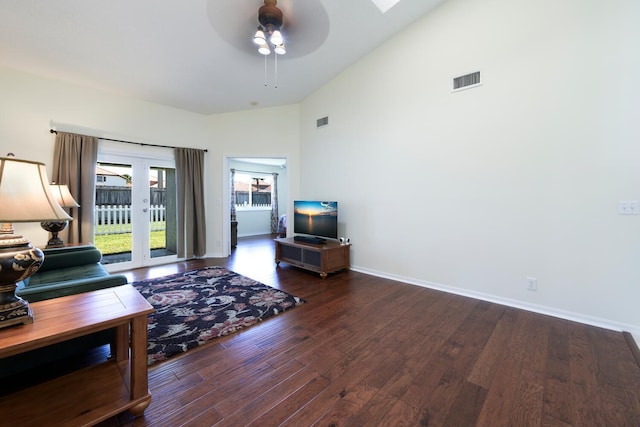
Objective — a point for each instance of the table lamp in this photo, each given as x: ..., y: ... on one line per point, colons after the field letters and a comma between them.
x: 25, y: 196
x: 65, y: 200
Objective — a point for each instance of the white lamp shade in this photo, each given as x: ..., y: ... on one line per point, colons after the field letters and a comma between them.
x: 259, y: 38
x: 264, y: 49
x: 25, y: 195
x: 280, y: 49
x: 276, y: 38
x: 63, y: 196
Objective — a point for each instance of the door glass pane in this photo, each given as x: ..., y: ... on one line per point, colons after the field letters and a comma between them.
x: 113, y: 227
x: 162, y: 212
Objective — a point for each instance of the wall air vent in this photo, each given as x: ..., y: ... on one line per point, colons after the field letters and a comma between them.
x: 467, y: 81
x: 322, y: 122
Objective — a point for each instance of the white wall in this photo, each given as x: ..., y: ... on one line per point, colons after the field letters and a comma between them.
x: 475, y: 191
x: 30, y: 105
x: 253, y: 222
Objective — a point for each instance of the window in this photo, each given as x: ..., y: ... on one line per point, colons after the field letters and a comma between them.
x: 252, y: 190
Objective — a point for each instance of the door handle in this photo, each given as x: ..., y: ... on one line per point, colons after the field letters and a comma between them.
x: 145, y: 210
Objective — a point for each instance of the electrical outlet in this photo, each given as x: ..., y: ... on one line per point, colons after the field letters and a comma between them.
x: 532, y: 284
x: 629, y: 207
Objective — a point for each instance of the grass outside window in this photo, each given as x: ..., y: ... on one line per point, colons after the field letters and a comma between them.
x: 110, y: 244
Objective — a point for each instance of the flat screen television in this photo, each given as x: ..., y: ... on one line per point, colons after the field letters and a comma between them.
x: 315, y: 218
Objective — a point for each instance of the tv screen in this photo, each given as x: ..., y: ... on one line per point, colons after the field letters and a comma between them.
x: 315, y: 218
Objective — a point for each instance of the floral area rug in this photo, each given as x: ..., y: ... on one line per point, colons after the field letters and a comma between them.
x: 197, y: 306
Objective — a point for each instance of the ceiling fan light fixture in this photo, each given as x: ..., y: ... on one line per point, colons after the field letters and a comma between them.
x: 259, y: 37
x: 270, y: 19
x: 280, y: 49
x: 264, y: 49
x: 276, y: 38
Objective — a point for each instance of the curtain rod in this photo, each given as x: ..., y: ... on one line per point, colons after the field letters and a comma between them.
x: 261, y: 172
x: 128, y: 142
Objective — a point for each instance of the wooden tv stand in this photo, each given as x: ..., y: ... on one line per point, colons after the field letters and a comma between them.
x: 93, y: 394
x: 323, y: 258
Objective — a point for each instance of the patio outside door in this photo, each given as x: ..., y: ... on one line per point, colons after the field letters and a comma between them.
x: 135, y: 219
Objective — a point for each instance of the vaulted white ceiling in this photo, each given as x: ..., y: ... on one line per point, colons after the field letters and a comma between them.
x: 195, y: 55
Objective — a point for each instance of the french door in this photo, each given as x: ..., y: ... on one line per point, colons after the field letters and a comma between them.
x: 135, y: 212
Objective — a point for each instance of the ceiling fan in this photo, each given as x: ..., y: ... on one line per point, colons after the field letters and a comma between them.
x: 271, y: 22
x: 305, y: 24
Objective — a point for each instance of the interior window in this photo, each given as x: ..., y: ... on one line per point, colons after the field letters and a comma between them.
x: 252, y: 191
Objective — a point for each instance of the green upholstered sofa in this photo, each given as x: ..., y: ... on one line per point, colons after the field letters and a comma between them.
x: 65, y: 271
x: 68, y: 271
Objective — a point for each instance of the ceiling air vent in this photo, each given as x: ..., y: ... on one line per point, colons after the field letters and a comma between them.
x: 467, y: 81
x: 322, y: 122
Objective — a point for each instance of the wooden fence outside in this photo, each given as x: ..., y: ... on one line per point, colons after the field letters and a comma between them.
x: 116, y: 219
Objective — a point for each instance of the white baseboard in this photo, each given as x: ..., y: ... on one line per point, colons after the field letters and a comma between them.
x: 214, y: 255
x: 550, y: 311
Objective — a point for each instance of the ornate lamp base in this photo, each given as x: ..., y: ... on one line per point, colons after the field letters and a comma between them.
x: 18, y: 260
x: 54, y: 227
x: 13, y: 309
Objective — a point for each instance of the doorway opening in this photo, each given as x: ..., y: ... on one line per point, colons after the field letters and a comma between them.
x: 260, y: 192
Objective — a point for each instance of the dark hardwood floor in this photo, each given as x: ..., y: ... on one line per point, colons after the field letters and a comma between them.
x: 366, y: 351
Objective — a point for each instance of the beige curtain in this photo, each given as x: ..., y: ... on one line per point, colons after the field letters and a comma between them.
x: 191, y: 214
x: 274, y: 203
x: 232, y: 203
x: 74, y: 164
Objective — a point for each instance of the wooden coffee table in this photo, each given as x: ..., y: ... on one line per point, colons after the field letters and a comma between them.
x: 95, y: 393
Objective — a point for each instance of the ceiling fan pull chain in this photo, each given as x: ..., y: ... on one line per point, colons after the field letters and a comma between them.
x: 265, y: 70
x: 276, y: 72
